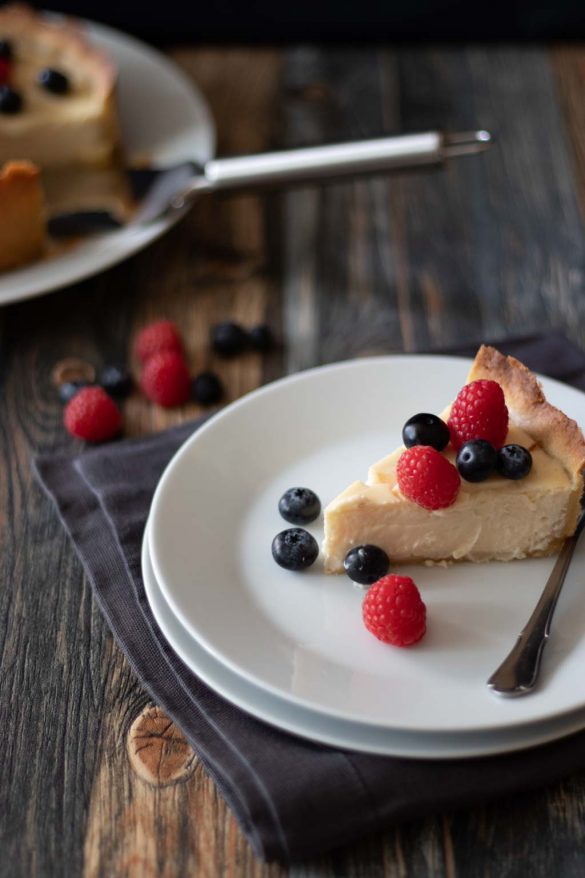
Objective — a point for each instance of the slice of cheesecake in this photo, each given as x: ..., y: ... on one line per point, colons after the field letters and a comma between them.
x: 23, y: 225
x: 60, y: 109
x: 497, y: 519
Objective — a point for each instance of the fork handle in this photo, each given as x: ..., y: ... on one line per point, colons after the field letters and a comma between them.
x: 518, y: 672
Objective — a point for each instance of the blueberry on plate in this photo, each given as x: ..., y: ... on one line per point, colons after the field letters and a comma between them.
x: 228, y: 339
x: 425, y: 429
x: 116, y: 380
x: 476, y: 460
x: 207, y: 389
x: 6, y: 50
x: 54, y: 81
x: 299, y: 505
x: 69, y: 389
x: 294, y: 549
x: 366, y: 564
x: 10, y: 100
x: 514, y: 461
x: 261, y: 338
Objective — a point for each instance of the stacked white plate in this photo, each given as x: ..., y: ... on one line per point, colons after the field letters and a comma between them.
x: 291, y: 648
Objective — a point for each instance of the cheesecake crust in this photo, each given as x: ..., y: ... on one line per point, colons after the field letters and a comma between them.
x: 557, y: 434
x: 23, y: 227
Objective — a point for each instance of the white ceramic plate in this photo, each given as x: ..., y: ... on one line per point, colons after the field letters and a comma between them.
x: 300, y: 636
x: 329, y: 730
x: 163, y: 117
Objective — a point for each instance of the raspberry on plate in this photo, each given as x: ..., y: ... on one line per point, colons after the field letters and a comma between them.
x: 479, y: 412
x: 156, y: 337
x: 427, y: 478
x: 92, y: 415
x: 166, y: 379
x: 394, y: 612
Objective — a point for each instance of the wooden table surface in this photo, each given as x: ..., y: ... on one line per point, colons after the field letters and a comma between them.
x: 486, y: 247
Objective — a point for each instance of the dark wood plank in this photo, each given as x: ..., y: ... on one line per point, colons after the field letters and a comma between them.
x: 488, y: 246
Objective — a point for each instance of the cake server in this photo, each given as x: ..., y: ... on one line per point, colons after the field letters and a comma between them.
x: 173, y: 190
x: 518, y: 673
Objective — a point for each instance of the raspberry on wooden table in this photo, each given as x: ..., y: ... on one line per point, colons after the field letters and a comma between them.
x: 92, y: 415
x: 156, y: 337
x: 394, y: 612
x: 166, y: 379
x: 479, y: 412
x: 427, y: 478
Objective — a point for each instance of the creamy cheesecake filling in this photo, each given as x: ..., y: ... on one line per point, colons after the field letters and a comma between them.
x: 78, y: 127
x: 497, y: 519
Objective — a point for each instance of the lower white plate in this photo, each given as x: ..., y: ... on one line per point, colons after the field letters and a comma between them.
x: 300, y: 636
x: 328, y: 730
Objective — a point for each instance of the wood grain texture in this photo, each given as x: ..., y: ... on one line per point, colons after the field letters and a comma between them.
x: 485, y: 247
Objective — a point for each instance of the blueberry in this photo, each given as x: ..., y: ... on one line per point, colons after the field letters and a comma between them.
x: 366, y: 564
x: 228, y: 339
x: 514, y: 461
x: 261, y: 338
x: 425, y: 429
x: 476, y: 460
x: 5, y: 50
x: 294, y: 549
x: 116, y: 380
x: 54, y: 81
x: 10, y: 100
x: 299, y: 505
x: 207, y: 389
x: 68, y: 390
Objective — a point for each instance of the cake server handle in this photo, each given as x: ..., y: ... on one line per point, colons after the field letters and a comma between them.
x: 319, y: 163
x: 518, y: 673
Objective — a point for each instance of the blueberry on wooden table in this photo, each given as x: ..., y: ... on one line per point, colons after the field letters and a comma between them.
x: 299, y: 505
x: 261, y: 338
x: 116, y: 380
x: 207, y: 388
x: 69, y: 389
x: 295, y: 549
x: 228, y: 339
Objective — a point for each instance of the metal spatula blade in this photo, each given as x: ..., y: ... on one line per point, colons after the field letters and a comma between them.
x: 172, y: 190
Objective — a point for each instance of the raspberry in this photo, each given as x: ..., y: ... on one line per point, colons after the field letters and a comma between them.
x: 160, y: 336
x: 427, y: 478
x: 479, y: 412
x: 92, y: 415
x: 166, y: 379
x: 393, y: 611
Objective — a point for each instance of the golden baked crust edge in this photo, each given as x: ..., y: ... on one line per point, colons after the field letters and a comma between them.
x: 557, y: 434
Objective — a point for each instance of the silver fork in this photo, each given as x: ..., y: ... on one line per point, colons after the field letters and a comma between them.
x: 518, y: 673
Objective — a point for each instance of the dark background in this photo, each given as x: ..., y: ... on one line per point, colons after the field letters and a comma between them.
x: 334, y: 20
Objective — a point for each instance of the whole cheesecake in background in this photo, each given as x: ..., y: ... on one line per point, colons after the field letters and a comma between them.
x: 22, y: 211
x: 497, y: 519
x: 64, y: 111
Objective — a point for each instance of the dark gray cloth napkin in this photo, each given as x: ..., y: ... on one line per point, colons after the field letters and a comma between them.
x: 293, y: 798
